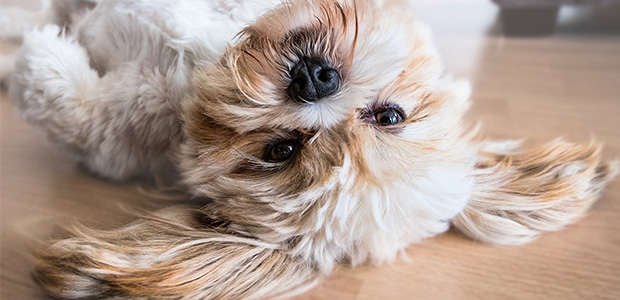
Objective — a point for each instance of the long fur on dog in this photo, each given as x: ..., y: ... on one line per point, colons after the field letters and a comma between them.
x: 200, y: 87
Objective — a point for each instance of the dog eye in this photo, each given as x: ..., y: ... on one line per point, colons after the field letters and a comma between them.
x: 388, y: 117
x: 280, y: 151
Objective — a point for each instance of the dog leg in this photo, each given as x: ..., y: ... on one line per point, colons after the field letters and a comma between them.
x: 518, y: 195
x: 120, y: 125
x: 68, y: 13
x: 169, y: 255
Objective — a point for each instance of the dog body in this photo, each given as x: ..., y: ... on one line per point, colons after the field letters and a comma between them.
x: 321, y: 131
x: 123, y: 68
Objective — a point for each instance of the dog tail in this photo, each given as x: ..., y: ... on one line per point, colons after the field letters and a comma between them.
x: 521, y: 194
x: 169, y: 255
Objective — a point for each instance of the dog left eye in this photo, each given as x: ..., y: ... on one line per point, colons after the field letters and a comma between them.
x: 388, y: 117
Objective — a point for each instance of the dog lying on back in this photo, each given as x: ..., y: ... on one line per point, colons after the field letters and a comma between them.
x: 321, y: 132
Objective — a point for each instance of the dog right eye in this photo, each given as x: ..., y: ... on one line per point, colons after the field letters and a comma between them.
x: 388, y: 117
x: 280, y: 151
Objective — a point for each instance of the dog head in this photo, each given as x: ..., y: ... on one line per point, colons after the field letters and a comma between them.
x: 327, y: 115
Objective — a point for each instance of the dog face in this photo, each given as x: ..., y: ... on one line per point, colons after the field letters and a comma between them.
x: 327, y: 116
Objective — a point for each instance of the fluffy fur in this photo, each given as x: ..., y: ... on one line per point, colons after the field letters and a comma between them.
x: 138, y: 87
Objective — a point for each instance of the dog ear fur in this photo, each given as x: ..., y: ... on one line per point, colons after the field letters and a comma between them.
x: 518, y: 195
x: 169, y: 255
x: 180, y: 253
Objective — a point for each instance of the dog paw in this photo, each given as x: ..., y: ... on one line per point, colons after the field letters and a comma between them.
x: 51, y: 73
x: 51, y: 84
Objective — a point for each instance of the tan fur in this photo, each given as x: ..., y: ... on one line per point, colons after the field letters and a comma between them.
x: 522, y: 194
x: 171, y: 255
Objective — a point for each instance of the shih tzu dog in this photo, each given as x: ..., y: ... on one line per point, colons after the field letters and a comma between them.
x: 321, y: 131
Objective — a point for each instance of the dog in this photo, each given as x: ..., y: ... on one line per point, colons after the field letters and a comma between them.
x: 320, y: 131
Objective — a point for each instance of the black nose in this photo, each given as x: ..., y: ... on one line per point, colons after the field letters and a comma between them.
x: 313, y: 79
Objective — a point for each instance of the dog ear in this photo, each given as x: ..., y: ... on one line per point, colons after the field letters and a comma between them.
x: 518, y: 195
x: 168, y: 256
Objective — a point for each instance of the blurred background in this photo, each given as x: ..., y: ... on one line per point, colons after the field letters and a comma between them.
x: 540, y: 69
x: 534, y: 64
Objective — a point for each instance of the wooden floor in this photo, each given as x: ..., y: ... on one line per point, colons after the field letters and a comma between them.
x: 539, y: 89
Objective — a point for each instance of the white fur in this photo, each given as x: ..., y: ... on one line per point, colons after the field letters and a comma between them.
x: 130, y: 63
